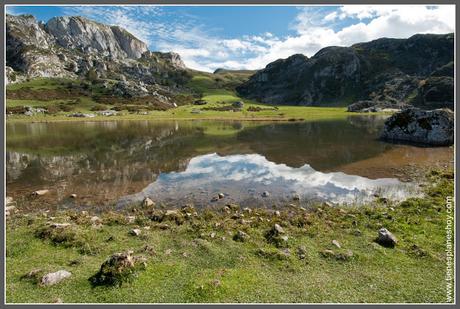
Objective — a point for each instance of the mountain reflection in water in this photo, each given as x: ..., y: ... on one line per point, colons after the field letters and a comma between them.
x: 243, y: 179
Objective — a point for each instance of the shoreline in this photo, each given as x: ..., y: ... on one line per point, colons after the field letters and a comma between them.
x: 317, y: 116
x: 226, y: 254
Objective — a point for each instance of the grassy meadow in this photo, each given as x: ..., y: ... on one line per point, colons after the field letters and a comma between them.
x: 192, y: 257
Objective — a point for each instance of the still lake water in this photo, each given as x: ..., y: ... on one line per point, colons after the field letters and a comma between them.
x: 177, y: 162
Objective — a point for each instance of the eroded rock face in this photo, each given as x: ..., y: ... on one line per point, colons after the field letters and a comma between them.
x: 435, y: 127
x: 73, y: 47
x: 80, y: 33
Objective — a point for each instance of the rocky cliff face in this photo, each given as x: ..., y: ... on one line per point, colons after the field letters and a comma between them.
x: 87, y: 36
x: 389, y: 71
x: 76, y: 47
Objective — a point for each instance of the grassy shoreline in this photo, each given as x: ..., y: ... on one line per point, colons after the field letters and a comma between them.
x: 293, y: 114
x: 192, y: 257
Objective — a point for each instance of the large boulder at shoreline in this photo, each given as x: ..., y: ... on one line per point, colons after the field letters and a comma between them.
x: 434, y: 127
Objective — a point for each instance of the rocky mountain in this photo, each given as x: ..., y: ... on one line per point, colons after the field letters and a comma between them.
x: 384, y: 72
x: 75, y: 47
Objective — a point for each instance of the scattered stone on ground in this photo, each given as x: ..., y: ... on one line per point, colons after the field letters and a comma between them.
x: 130, y: 219
x: 265, y: 194
x: 54, y: 278
x: 336, y: 243
x: 216, y: 283
x: 73, y: 195
x: 296, y: 197
x: 118, y: 268
x: 8, y: 201
x: 276, y: 235
x: 40, y: 192
x: 81, y: 115
x: 238, y: 104
x: 135, y: 232
x: 386, y: 238
x: 220, y: 195
x: 147, y: 202
x: 302, y: 252
x: 33, y: 274
x: 241, y: 236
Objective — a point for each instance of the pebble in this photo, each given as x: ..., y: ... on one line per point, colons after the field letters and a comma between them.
x: 135, y: 232
x: 265, y: 194
x: 336, y: 243
x: 40, y: 192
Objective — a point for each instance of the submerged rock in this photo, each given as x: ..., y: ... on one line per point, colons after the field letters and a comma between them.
x: 434, y: 127
x: 386, y: 238
x: 54, y: 278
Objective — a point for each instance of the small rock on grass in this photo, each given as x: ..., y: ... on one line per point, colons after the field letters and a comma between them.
x: 386, y: 238
x: 73, y: 195
x: 220, y: 195
x: 54, y: 278
x: 147, y: 202
x: 8, y: 200
x: 40, y: 192
x: 33, y: 274
x: 241, y: 236
x: 336, y: 243
x: 302, y: 252
x: 118, y: 268
x: 265, y: 194
x: 135, y: 232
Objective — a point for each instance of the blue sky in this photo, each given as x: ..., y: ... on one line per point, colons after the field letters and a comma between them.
x: 250, y: 37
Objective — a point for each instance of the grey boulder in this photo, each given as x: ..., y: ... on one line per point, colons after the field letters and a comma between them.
x: 435, y: 127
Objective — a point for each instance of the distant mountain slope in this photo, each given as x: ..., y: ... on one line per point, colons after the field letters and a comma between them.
x: 384, y: 71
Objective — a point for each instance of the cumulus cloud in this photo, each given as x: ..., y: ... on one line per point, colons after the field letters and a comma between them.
x: 313, y: 28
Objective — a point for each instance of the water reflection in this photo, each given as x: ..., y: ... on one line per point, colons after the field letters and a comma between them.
x: 244, y: 178
x: 103, y: 161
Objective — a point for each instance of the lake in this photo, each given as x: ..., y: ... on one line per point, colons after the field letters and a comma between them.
x: 180, y: 162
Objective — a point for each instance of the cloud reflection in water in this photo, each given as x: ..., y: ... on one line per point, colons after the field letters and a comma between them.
x: 244, y: 177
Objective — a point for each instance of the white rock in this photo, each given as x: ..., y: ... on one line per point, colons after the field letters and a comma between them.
x: 336, y: 243
x: 40, y: 192
x: 54, y: 278
x: 135, y: 232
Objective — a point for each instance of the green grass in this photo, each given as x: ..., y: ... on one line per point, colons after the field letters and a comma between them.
x: 216, y: 89
x: 39, y: 83
x: 413, y: 271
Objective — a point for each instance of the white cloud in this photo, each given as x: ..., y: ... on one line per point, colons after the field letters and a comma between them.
x: 313, y: 28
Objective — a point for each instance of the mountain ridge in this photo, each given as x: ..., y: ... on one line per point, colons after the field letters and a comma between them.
x: 385, y: 71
